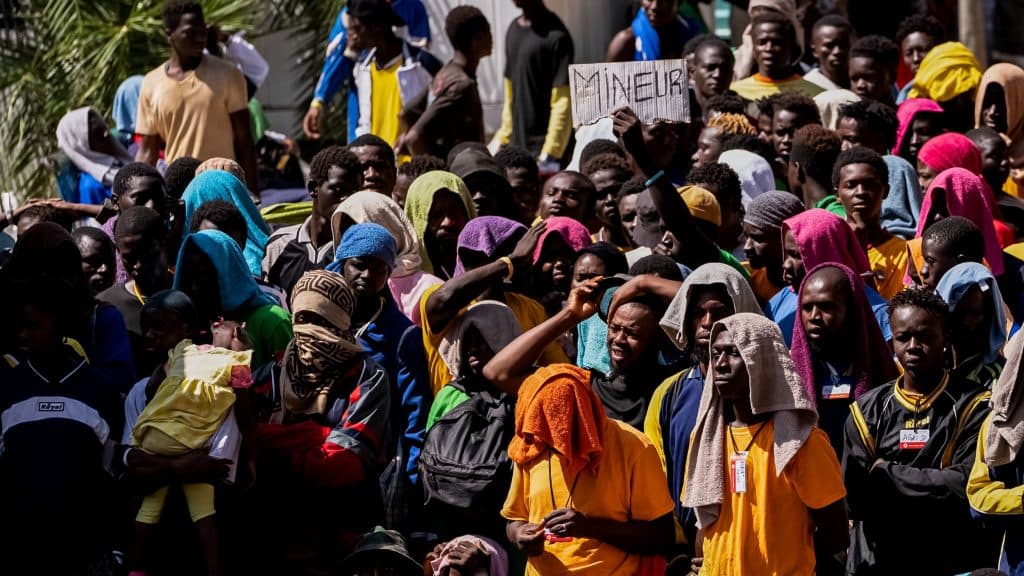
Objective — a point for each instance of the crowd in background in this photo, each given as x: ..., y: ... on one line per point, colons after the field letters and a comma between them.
x: 781, y: 338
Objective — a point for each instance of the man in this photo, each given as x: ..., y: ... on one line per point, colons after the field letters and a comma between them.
x: 711, y: 71
x: 867, y: 123
x: 775, y: 51
x: 758, y: 469
x: 945, y: 244
x: 205, y: 117
x: 709, y: 294
x: 490, y: 250
x: 390, y: 72
x: 762, y: 227
x: 378, y: 161
x: 724, y: 184
x: 979, y: 322
x: 658, y: 32
x: 873, y: 62
x: 625, y: 200
x: 491, y: 192
x: 408, y: 173
x: 334, y: 174
x: 608, y: 510
x: 609, y: 172
x: 809, y: 170
x: 861, y: 180
x: 524, y: 177
x: 811, y: 238
x: 790, y: 112
x: 837, y: 347
x: 450, y: 111
x: 537, y: 114
x: 341, y: 58
x: 365, y: 258
x: 916, y: 37
x: 568, y: 194
x: 909, y: 446
x: 135, y: 184
x: 830, y: 45
x: 141, y: 237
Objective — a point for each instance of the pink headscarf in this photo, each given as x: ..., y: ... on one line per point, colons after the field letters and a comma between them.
x: 966, y: 195
x: 574, y: 234
x: 870, y: 353
x: 950, y: 150
x: 905, y: 115
x: 823, y: 237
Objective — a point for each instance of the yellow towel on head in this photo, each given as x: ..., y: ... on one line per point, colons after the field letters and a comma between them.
x: 949, y: 70
x: 193, y: 399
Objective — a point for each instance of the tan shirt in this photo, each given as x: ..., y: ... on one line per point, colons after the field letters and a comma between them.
x: 193, y: 116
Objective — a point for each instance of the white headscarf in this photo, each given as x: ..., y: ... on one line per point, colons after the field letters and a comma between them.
x: 755, y: 172
x: 73, y: 139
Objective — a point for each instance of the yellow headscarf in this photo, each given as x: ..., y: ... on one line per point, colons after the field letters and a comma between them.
x: 420, y: 198
x: 949, y: 70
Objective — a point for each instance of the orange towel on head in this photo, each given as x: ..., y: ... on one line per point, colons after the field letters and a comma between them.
x: 558, y: 409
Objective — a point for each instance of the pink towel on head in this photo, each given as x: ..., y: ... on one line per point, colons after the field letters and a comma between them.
x: 574, y: 234
x: 822, y: 237
x: 950, y: 150
x: 966, y: 195
x: 905, y: 115
x: 872, y: 359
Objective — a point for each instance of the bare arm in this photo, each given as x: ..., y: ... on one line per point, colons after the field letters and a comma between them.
x: 620, y: 49
x: 149, y: 149
x: 644, y: 284
x: 444, y: 304
x: 245, y: 149
x: 831, y: 536
x: 513, y: 363
x: 673, y: 210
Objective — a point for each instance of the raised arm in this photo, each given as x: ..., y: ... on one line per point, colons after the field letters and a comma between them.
x: 512, y: 364
x: 673, y: 210
x: 444, y: 304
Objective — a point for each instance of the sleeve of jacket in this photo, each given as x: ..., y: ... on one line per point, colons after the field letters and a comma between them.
x: 858, y: 456
x: 992, y: 499
x: 415, y: 391
x: 111, y: 352
x: 337, y: 67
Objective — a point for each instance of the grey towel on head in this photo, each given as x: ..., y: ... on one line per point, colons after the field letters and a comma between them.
x: 769, y: 210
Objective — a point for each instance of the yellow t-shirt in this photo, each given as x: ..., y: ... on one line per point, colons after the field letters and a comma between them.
x: 629, y: 484
x: 768, y: 529
x: 527, y: 310
x: 889, y: 264
x: 386, y: 101
x: 757, y: 86
x: 193, y: 116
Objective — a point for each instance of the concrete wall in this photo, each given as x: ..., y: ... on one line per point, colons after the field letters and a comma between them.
x: 591, y: 22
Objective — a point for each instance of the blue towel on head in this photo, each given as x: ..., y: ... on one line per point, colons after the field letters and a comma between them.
x: 238, y: 289
x: 220, y: 185
x: 902, y: 207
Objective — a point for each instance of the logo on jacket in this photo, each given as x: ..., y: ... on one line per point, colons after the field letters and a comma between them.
x: 51, y: 406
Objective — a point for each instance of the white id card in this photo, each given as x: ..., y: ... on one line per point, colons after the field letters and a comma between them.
x: 839, y: 391
x: 914, y: 439
x: 738, y: 473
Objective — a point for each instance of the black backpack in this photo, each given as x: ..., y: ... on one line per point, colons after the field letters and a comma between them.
x: 464, y: 462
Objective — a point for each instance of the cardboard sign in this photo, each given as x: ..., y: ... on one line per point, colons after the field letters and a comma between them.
x: 655, y: 90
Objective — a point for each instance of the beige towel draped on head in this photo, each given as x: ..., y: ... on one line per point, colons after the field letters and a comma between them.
x: 775, y: 387
x: 1006, y: 428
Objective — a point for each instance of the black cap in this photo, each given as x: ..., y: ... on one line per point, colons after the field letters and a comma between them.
x: 382, y: 543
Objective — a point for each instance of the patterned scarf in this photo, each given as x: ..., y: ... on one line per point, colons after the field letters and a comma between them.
x: 319, y: 355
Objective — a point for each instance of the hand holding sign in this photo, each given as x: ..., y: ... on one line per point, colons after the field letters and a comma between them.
x: 655, y: 90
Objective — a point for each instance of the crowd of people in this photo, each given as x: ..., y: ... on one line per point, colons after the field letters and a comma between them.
x: 781, y: 338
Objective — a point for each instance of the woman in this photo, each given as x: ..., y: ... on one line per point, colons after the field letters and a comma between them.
x: 213, y: 272
x: 47, y: 253
x: 958, y: 192
x: 408, y: 281
x: 919, y: 120
x: 439, y: 204
x: 84, y: 137
x: 220, y: 185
